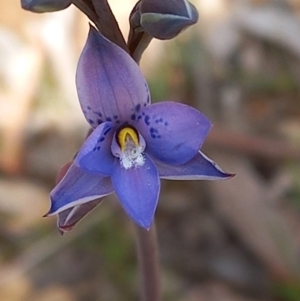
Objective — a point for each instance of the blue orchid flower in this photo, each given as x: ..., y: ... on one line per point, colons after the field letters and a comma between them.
x: 133, y: 144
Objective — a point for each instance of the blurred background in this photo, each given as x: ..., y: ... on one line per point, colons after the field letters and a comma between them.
x: 235, y: 240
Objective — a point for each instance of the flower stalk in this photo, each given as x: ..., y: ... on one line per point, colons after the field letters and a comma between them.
x: 148, y: 258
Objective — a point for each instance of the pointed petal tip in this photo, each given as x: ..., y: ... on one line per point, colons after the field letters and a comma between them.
x: 61, y: 232
x: 223, y: 176
x: 144, y: 224
x: 96, y: 37
x: 229, y: 176
x: 93, y: 32
x: 47, y: 214
x: 65, y: 229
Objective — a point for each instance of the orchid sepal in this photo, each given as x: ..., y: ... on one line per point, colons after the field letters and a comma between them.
x: 45, y: 6
x: 164, y: 20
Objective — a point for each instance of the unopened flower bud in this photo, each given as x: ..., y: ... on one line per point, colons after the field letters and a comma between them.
x: 44, y: 6
x: 165, y: 19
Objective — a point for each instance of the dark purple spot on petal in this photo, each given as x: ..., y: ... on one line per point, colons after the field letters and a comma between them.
x: 153, y: 131
x: 108, y: 119
x: 133, y: 117
x: 139, y: 117
x: 101, y: 139
x: 99, y: 114
x: 138, y: 107
x: 91, y: 121
x: 147, y: 119
x: 166, y: 124
x: 106, y: 131
x: 115, y: 117
x: 88, y: 107
x: 99, y: 121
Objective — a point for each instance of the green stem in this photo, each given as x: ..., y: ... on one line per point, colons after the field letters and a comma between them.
x: 149, y: 263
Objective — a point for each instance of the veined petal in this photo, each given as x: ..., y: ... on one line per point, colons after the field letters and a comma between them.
x: 68, y: 219
x: 138, y: 189
x: 109, y: 83
x: 199, y: 168
x: 95, y: 154
x: 77, y: 188
x: 173, y: 132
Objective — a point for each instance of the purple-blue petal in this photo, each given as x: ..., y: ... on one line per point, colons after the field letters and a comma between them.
x: 45, y: 6
x: 95, y: 154
x: 77, y: 188
x: 109, y: 83
x: 173, y: 132
x: 166, y: 19
x: 68, y: 219
x: 199, y: 168
x: 165, y: 27
x: 138, y: 190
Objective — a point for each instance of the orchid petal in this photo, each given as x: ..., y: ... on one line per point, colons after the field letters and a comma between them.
x: 199, y: 168
x: 175, y: 7
x: 165, y: 27
x: 68, y: 219
x: 138, y: 189
x: 166, y: 19
x: 95, y: 154
x: 77, y: 188
x: 44, y: 6
x: 173, y: 132
x: 109, y: 83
